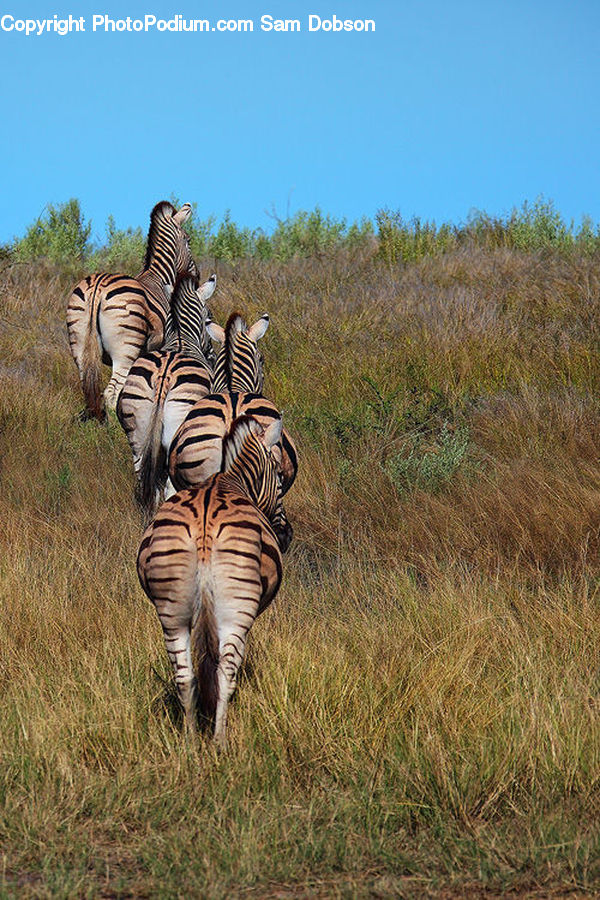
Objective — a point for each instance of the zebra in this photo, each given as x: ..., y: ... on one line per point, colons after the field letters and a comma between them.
x: 112, y: 318
x: 210, y: 562
x: 196, y: 449
x: 163, y: 384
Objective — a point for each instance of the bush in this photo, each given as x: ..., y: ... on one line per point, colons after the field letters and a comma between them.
x: 313, y: 233
x: 123, y: 250
x: 200, y: 232
x: 60, y: 234
x: 537, y: 226
x: 428, y: 466
x: 230, y: 242
x: 401, y: 241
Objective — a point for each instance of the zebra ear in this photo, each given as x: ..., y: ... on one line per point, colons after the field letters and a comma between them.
x: 206, y: 290
x: 168, y: 291
x: 273, y: 434
x: 216, y: 332
x: 183, y: 214
x: 256, y: 331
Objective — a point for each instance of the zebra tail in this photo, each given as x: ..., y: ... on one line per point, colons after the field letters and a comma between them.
x: 91, y: 378
x: 205, y: 657
x: 152, y: 475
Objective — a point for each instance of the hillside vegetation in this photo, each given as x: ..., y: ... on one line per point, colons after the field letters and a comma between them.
x: 419, y: 712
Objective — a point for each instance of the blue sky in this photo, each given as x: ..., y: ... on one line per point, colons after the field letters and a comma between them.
x: 445, y: 108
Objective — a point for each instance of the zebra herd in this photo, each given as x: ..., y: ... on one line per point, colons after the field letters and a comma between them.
x: 211, y: 457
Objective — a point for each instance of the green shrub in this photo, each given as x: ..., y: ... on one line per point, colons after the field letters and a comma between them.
x: 200, y: 232
x: 401, y: 241
x: 429, y: 465
x: 230, y: 242
x: 314, y: 233
x: 123, y: 250
x: 60, y: 234
x: 588, y: 238
x: 536, y: 226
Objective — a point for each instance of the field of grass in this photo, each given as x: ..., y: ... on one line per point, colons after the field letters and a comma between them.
x: 419, y: 712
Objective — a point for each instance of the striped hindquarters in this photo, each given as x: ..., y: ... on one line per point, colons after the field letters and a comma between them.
x: 107, y: 321
x: 108, y: 302
x: 196, y: 450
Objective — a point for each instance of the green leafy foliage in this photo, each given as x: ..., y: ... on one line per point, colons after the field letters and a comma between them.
x: 535, y: 226
x: 123, y: 251
x: 401, y: 241
x: 60, y: 234
x: 230, y: 242
x: 314, y: 233
x: 426, y: 464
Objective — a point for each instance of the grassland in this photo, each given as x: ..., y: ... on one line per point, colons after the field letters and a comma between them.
x: 419, y: 713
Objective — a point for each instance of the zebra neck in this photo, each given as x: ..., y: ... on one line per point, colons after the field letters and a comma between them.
x: 257, y: 488
x: 156, y: 283
x: 192, y: 348
x: 237, y: 381
x: 240, y: 478
x: 242, y: 385
x: 160, y: 271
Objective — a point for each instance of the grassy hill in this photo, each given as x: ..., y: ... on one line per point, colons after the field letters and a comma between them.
x: 419, y: 713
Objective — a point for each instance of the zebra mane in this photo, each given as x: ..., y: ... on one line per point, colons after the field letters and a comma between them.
x: 235, y: 325
x: 180, y: 297
x: 163, y: 210
x: 185, y: 328
x: 233, y: 443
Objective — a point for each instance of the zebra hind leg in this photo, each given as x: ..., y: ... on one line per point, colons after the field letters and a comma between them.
x: 178, y: 643
x: 229, y: 663
x: 114, y: 388
x: 123, y: 336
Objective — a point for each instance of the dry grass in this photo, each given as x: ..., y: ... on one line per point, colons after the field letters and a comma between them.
x: 419, y: 713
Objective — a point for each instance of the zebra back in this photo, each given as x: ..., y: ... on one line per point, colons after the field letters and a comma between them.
x: 162, y: 386
x: 239, y: 365
x: 185, y: 328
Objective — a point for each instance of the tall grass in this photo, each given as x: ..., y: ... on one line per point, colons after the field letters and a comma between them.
x: 419, y: 712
